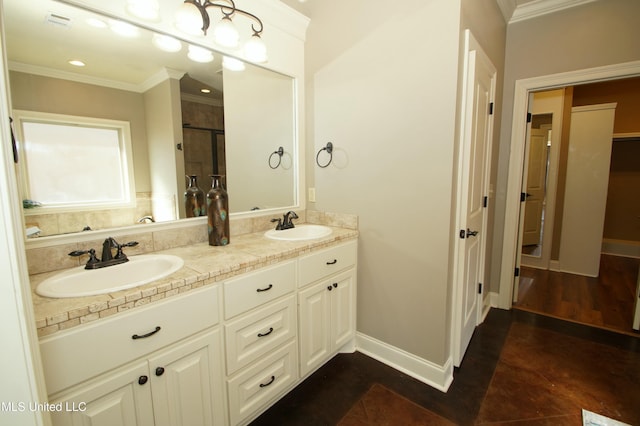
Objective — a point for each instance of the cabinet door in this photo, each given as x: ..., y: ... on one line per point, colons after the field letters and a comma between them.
x: 187, y: 383
x: 315, y: 323
x: 343, y: 309
x: 117, y: 399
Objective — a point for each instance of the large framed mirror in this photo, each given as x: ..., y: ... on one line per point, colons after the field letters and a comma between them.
x: 243, y: 126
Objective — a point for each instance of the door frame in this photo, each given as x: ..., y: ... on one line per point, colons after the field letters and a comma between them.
x: 523, y: 87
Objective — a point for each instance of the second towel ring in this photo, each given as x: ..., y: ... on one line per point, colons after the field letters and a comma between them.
x: 329, y: 149
x: 280, y: 153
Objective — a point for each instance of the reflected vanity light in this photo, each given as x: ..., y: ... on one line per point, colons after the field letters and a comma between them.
x: 232, y: 64
x: 97, y: 23
x: 77, y: 63
x: 123, y: 29
x: 166, y: 43
x: 193, y: 18
x: 199, y: 54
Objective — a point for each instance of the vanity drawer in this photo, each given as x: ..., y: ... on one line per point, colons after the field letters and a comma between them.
x: 325, y: 262
x: 251, y: 336
x: 256, y: 288
x: 258, y: 384
x: 86, y: 351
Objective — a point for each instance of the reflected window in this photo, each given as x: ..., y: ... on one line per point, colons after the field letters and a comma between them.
x: 71, y: 162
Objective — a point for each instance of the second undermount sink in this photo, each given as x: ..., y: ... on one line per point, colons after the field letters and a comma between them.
x: 139, y: 270
x: 299, y: 233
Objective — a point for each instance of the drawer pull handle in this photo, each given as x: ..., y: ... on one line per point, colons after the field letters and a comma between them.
x: 267, y: 288
x: 333, y: 262
x: 267, y: 333
x: 264, y: 385
x: 142, y: 380
x: 159, y: 371
x: 151, y: 333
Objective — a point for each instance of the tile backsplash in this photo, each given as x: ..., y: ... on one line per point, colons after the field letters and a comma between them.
x: 55, y: 257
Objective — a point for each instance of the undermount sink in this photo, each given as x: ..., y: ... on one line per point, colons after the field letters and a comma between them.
x: 299, y: 233
x: 139, y: 270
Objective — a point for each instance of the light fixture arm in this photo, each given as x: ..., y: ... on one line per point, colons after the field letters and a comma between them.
x: 228, y: 10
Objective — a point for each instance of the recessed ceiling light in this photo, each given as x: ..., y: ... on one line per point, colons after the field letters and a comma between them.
x: 205, y: 90
x: 77, y: 63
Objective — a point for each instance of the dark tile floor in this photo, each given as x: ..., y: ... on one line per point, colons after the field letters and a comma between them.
x: 327, y: 395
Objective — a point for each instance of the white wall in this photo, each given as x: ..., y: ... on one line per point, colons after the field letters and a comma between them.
x: 595, y: 34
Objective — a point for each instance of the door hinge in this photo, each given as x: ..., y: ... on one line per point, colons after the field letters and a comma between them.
x: 529, y: 117
x: 479, y: 288
x: 491, y: 108
x: 523, y: 197
x: 485, y: 201
x: 517, y: 272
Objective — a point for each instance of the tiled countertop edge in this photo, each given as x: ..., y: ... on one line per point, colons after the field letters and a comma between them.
x: 204, y: 265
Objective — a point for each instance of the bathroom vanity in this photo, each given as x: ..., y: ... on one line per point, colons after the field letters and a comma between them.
x: 237, y: 328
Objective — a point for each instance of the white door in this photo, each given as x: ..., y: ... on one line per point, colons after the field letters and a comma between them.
x: 477, y: 132
x: 536, y: 177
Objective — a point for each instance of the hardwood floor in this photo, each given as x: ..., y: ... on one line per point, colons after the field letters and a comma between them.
x: 520, y: 369
x: 606, y: 301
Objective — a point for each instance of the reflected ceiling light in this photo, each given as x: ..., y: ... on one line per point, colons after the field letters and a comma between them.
x: 123, y: 29
x: 232, y: 64
x: 97, y: 23
x: 207, y: 91
x: 77, y: 63
x: 199, y: 54
x: 166, y: 43
x: 148, y: 10
x: 193, y: 18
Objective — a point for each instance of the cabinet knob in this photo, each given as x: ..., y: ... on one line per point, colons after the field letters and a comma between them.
x: 335, y: 285
x: 142, y: 380
x: 329, y: 288
x: 159, y: 371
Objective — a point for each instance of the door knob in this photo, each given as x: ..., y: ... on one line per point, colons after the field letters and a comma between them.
x: 471, y: 233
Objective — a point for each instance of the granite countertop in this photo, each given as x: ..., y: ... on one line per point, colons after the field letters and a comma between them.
x: 203, y: 265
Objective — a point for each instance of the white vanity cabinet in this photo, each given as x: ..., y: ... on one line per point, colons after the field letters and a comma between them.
x: 260, y: 338
x: 327, y: 304
x: 159, y: 365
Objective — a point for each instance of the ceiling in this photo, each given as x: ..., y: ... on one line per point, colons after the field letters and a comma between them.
x: 512, y: 10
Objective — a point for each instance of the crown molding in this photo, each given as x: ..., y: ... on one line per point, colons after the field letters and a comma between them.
x: 538, y: 8
x: 78, y: 78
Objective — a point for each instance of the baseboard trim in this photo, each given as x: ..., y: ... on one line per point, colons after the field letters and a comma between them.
x: 436, y: 376
x: 621, y: 248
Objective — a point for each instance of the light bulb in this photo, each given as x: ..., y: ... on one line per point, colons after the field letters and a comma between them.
x: 166, y: 43
x: 199, y: 54
x: 255, y: 50
x: 123, y: 29
x: 144, y: 9
x: 225, y: 33
x: 232, y: 64
x: 189, y: 19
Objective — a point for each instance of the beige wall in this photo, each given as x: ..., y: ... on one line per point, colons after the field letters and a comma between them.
x: 595, y: 34
x: 45, y: 94
x: 382, y: 87
x: 622, y: 219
